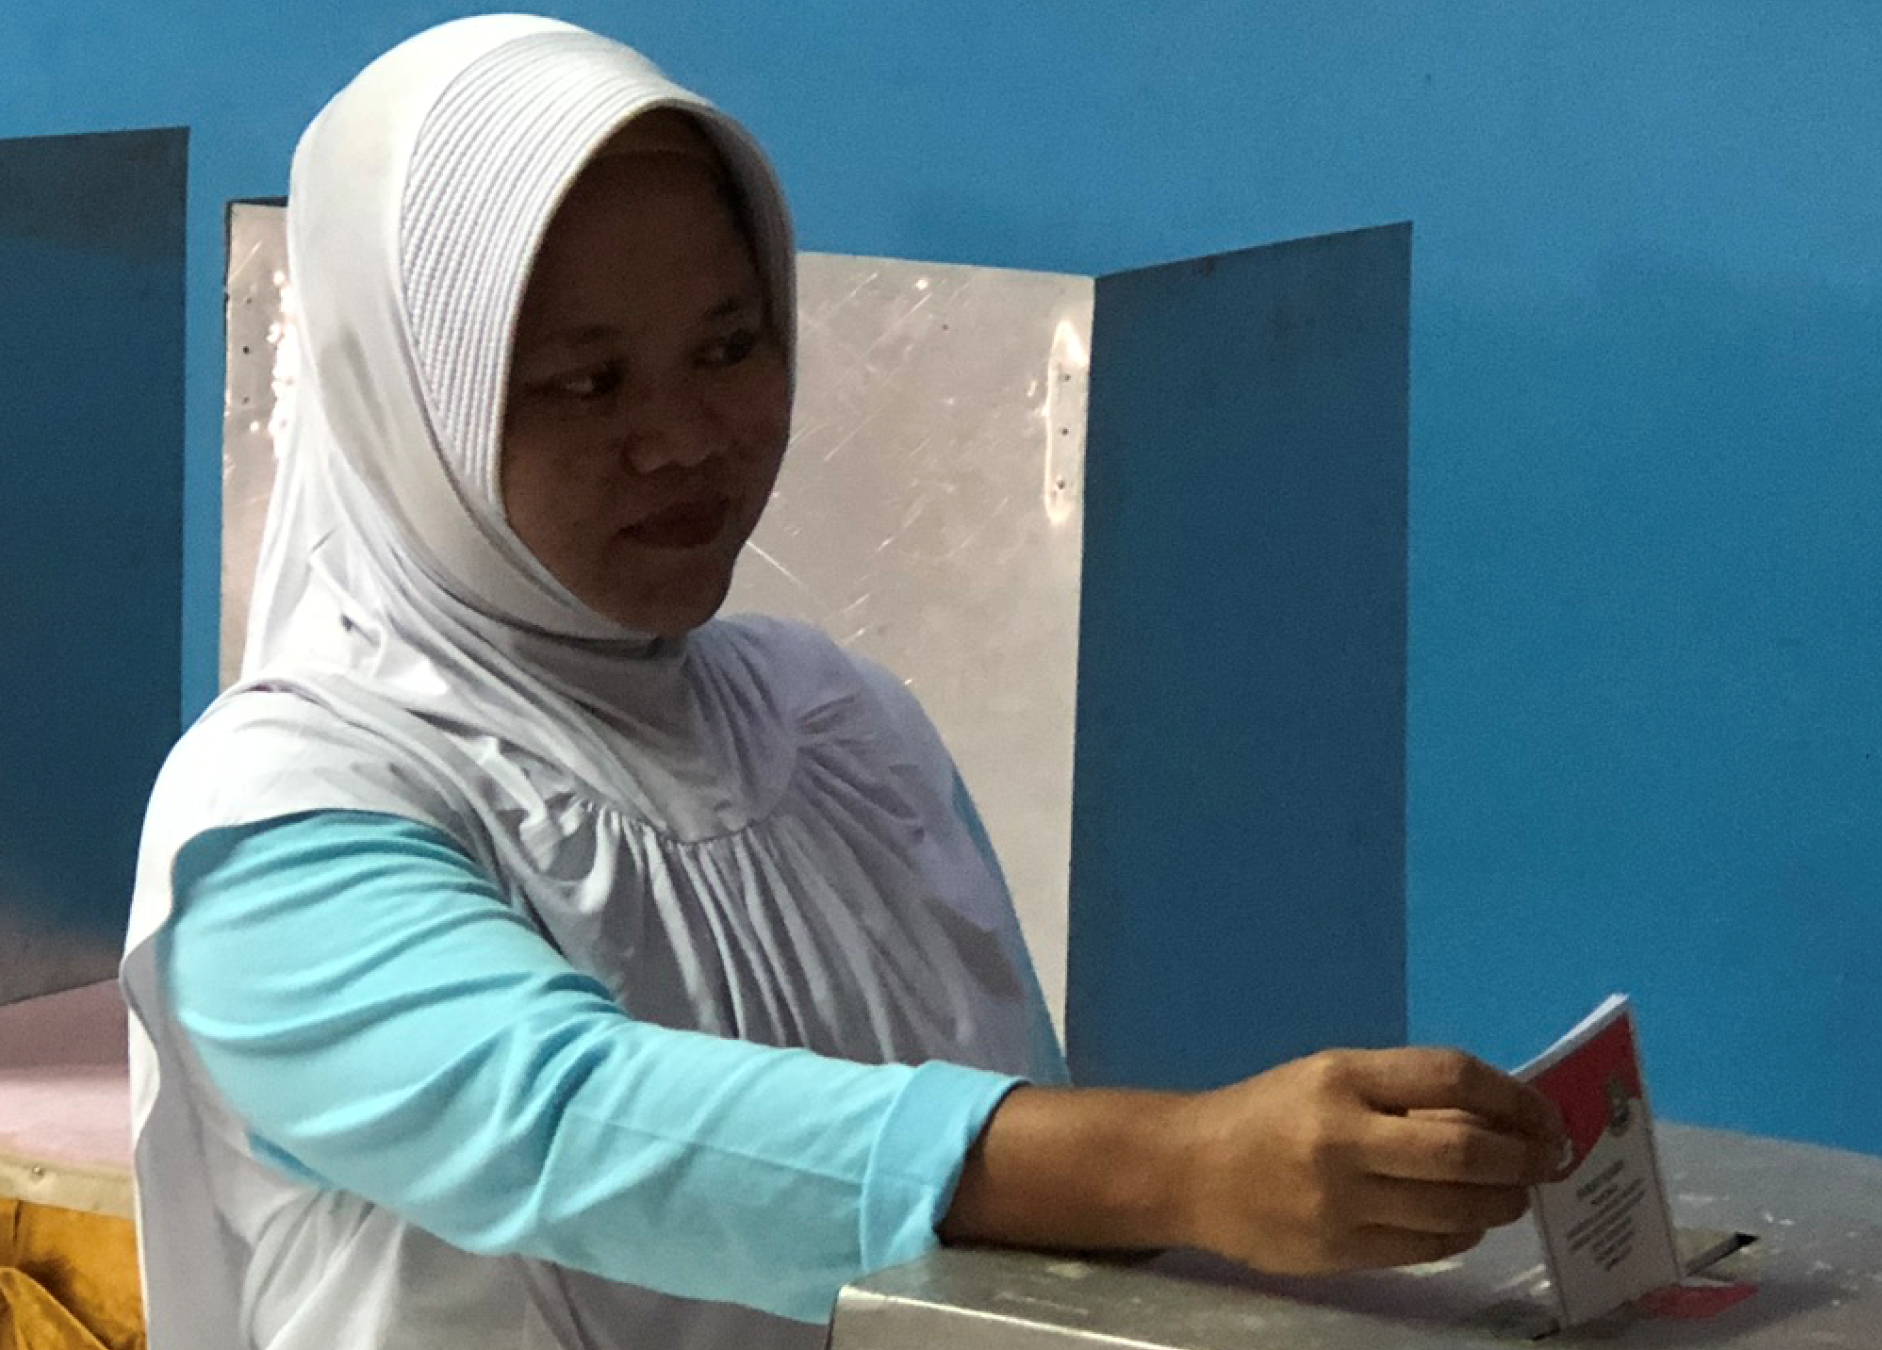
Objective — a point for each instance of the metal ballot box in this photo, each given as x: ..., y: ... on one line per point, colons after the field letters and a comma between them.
x: 1138, y: 542
x: 1814, y: 1217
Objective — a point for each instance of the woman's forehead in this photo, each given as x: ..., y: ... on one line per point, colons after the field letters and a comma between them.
x: 662, y: 131
x: 657, y: 145
x: 670, y: 242
x: 660, y: 173
x: 653, y: 188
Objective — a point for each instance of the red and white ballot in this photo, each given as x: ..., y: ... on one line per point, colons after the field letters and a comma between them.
x: 1607, y: 1230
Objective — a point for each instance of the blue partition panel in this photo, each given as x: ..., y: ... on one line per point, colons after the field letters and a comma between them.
x: 1238, y: 874
x: 91, y: 454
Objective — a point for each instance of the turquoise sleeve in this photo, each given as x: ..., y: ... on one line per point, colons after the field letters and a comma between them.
x: 385, y: 1024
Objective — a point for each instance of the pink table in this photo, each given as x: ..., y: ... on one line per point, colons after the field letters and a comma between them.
x: 65, y: 1101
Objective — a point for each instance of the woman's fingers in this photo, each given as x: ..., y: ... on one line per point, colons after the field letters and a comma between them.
x: 1399, y: 1081
x: 1443, y: 1115
x: 1458, y: 1149
x: 1440, y: 1208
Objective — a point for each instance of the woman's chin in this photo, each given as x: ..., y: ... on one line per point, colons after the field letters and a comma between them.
x: 665, y: 616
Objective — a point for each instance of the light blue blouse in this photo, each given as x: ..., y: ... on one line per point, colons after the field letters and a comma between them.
x: 385, y: 1024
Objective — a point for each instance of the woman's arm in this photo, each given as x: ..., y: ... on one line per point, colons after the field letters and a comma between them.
x: 384, y: 1024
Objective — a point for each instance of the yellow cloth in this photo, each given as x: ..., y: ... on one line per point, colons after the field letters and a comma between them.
x: 68, y: 1281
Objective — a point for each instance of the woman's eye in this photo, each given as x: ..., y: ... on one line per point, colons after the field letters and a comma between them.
x: 729, y: 351
x: 583, y: 386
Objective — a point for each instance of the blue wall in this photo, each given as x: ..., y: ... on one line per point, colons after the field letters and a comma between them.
x: 1646, y: 585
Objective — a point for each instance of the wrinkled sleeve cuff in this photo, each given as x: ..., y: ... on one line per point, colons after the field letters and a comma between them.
x: 918, y: 1156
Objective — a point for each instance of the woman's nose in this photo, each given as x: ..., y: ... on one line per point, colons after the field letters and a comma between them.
x: 669, y: 429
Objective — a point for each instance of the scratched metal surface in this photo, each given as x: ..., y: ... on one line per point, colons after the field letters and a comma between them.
x: 257, y: 396
x: 1817, y: 1265
x: 929, y: 514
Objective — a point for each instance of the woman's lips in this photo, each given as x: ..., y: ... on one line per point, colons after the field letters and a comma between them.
x: 689, y: 524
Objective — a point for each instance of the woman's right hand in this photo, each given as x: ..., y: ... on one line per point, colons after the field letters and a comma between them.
x: 1344, y: 1160
x: 1353, y: 1159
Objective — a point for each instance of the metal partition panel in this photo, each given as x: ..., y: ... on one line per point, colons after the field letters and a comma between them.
x: 928, y: 515
x: 258, y: 318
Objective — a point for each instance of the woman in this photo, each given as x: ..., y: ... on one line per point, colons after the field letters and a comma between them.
x: 522, y: 957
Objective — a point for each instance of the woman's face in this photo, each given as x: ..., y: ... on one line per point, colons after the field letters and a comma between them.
x: 649, y: 397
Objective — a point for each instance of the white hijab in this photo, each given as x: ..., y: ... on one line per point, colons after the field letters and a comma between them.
x: 418, y: 200
x: 746, y: 832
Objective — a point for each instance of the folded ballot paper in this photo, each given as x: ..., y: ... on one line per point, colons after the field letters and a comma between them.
x: 1607, y: 1230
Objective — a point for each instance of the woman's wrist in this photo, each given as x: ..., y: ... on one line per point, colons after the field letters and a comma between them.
x: 1079, y: 1169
